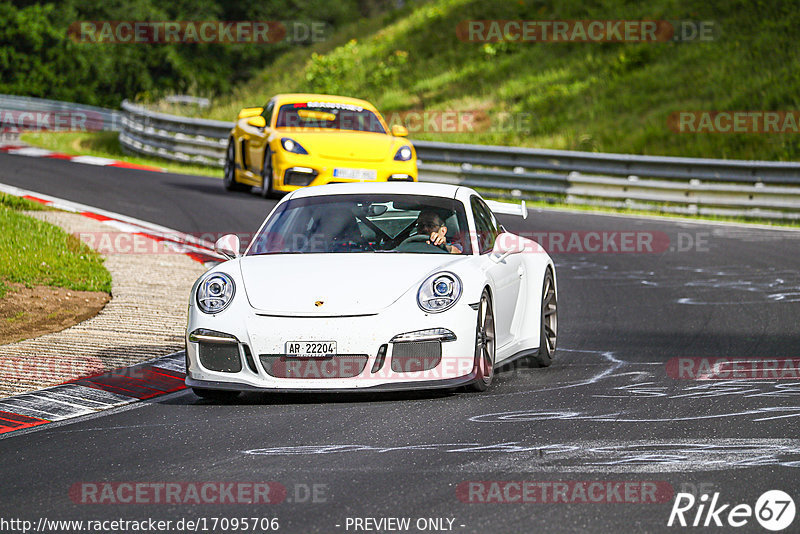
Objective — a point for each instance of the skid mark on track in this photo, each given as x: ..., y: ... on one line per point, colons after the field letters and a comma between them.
x: 583, y: 456
x: 706, y: 389
x: 608, y: 359
x: 754, y: 284
x: 763, y: 414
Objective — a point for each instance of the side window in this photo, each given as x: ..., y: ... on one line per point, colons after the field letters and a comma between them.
x: 485, y: 224
x: 267, y: 113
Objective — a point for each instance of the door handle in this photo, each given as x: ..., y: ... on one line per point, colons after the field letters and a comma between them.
x: 521, y: 271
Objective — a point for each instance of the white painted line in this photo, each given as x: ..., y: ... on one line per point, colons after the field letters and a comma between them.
x: 59, y: 404
x: 68, y: 205
x: 40, y: 406
x: 30, y: 151
x: 93, y: 160
x: 172, y: 363
x: 87, y: 396
x: 124, y: 227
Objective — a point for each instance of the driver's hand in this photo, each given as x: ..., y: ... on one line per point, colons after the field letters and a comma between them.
x: 437, y: 239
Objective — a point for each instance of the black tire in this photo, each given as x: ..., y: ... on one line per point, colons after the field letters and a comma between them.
x: 229, y: 173
x: 266, y: 175
x: 548, y: 327
x: 484, y: 344
x: 216, y: 394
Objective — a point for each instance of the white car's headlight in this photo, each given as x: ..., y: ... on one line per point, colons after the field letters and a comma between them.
x: 215, y: 292
x: 439, y: 292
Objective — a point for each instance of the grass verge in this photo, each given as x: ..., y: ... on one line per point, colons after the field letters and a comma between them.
x: 34, y: 253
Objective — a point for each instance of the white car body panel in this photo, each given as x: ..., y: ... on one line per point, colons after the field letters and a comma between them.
x: 362, y: 300
x: 349, y: 284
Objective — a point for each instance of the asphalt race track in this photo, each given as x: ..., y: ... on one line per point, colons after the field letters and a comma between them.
x: 611, y: 408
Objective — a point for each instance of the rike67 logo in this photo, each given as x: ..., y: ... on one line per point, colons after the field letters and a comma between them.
x: 774, y: 510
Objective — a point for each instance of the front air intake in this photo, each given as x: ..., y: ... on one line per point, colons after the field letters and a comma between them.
x: 416, y: 356
x: 222, y: 357
x: 302, y: 177
x: 339, y: 366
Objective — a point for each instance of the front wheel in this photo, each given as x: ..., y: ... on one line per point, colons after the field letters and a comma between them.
x: 548, y: 331
x: 229, y: 173
x: 484, y: 344
x: 215, y: 394
x: 267, y: 190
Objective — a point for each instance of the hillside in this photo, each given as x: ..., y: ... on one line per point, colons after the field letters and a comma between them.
x: 608, y: 97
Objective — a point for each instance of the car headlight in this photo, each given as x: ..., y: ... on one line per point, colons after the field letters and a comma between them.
x: 403, y: 154
x: 290, y: 145
x: 439, y: 292
x: 215, y: 292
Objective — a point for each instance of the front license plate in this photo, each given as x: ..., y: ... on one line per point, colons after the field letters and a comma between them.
x: 356, y: 174
x: 310, y: 349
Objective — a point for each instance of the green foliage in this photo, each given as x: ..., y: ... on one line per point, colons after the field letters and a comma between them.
x: 19, y: 203
x: 348, y: 69
x: 609, y: 97
x: 38, y: 58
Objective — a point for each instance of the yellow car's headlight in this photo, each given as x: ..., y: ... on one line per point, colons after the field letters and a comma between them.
x: 290, y: 145
x: 403, y: 154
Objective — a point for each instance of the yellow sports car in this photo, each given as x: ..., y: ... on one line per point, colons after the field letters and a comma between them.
x: 298, y: 140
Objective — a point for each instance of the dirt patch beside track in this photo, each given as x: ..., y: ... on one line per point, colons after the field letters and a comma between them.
x: 30, y: 312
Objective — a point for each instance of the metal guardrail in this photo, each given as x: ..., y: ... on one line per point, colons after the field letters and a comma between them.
x: 91, y: 118
x: 184, y: 139
x: 762, y: 189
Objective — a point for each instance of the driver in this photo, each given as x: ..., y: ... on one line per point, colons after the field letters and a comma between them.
x: 431, y: 231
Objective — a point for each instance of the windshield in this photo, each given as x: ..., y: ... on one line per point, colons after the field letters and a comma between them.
x: 328, y: 116
x: 363, y: 224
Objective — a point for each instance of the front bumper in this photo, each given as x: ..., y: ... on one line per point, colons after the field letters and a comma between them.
x: 448, y: 383
x: 382, y: 365
x: 294, y: 171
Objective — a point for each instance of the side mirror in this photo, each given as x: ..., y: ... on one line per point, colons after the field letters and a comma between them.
x: 257, y: 121
x: 249, y: 112
x: 399, y: 131
x: 507, y: 244
x: 228, y: 246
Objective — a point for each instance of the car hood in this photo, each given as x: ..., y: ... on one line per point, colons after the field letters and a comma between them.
x: 343, y: 145
x: 344, y: 284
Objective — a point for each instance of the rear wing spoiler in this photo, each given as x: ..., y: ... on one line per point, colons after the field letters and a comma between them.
x: 506, y: 208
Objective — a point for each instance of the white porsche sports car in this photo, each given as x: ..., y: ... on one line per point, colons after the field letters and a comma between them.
x: 372, y: 286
